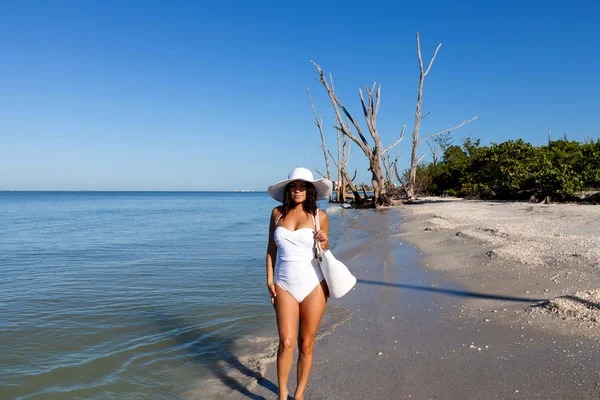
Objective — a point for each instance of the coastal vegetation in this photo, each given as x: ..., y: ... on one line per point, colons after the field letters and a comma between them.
x: 564, y: 170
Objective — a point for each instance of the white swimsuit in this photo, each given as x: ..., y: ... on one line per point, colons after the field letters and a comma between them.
x: 296, y: 270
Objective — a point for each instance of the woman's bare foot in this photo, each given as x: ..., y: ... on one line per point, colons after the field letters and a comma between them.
x: 299, y: 396
x: 282, y: 395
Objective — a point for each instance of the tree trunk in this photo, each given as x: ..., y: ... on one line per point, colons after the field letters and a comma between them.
x: 414, y: 161
x: 353, y: 188
x: 378, y: 184
x: 342, y: 198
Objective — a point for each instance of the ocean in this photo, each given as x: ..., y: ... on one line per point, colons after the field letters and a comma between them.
x: 134, y: 295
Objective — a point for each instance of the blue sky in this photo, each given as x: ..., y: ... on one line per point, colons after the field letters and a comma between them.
x: 155, y: 95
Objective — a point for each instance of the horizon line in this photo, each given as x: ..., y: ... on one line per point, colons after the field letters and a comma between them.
x: 135, y: 191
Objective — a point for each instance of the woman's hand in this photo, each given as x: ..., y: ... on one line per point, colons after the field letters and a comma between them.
x: 321, y: 236
x: 272, y: 292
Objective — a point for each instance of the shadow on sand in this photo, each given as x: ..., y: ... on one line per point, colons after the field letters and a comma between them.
x: 453, y: 292
x: 464, y: 293
x: 210, y: 350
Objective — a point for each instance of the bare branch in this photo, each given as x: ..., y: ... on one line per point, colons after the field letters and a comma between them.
x: 320, y: 173
x: 433, y: 58
x: 364, y: 188
x: 420, y: 158
x: 319, y: 123
x: 425, y: 116
x: 421, y: 59
x: 362, y: 102
x: 356, y: 126
x: 419, y: 54
x: 362, y: 143
x: 449, y: 129
x: 348, y: 180
x: 586, y: 136
x: 333, y: 159
x: 396, y: 142
x: 377, y: 101
x: 398, y: 175
x: 433, y: 146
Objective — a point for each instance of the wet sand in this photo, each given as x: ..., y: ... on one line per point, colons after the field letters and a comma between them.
x: 462, y: 300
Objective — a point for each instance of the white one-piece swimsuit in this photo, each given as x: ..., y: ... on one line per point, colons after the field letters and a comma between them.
x: 296, y: 270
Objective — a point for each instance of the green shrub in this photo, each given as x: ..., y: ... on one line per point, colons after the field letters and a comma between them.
x: 513, y: 169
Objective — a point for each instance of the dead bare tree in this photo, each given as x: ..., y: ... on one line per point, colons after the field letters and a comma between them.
x: 348, y: 181
x: 373, y: 154
x: 398, y: 177
x: 418, y: 118
x: 439, y: 144
x: 319, y: 123
x: 586, y: 137
x: 387, y: 165
x: 549, y: 137
x: 343, y: 156
x: 435, y: 150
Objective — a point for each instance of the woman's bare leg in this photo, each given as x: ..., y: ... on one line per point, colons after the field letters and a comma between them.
x: 287, y: 310
x: 311, y: 312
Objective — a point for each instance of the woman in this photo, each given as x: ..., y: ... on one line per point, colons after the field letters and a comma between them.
x: 297, y: 287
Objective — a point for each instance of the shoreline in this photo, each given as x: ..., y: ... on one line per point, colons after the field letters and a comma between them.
x: 443, y: 308
x: 546, y: 253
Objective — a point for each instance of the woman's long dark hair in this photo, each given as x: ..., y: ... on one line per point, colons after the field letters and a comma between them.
x: 309, y: 205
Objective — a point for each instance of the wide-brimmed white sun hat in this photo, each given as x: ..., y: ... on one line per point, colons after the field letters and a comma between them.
x: 323, y: 186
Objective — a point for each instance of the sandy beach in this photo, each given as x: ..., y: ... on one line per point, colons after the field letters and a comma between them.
x: 461, y: 299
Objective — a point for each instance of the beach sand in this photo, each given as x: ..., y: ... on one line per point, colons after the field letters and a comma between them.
x: 462, y: 299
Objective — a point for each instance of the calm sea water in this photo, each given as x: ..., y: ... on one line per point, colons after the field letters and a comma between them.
x: 132, y: 295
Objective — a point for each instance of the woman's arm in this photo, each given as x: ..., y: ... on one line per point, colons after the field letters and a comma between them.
x: 322, y: 234
x: 272, y: 254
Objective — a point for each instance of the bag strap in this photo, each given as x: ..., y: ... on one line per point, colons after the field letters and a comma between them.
x: 318, y: 248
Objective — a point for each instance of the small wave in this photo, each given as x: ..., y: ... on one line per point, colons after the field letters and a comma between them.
x: 243, y: 371
x: 334, y: 208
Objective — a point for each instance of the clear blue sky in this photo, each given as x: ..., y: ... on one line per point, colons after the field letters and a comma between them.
x: 199, y: 95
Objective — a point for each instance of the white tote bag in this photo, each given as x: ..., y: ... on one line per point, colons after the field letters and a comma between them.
x: 339, y: 279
